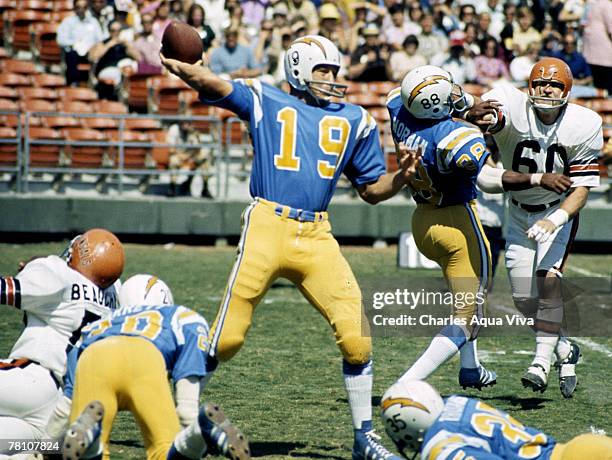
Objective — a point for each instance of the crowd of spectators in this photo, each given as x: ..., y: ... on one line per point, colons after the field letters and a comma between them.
x: 477, y: 41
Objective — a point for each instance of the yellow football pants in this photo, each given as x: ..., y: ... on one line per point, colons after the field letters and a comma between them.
x: 128, y: 373
x: 453, y: 237
x: 583, y: 447
x: 306, y: 253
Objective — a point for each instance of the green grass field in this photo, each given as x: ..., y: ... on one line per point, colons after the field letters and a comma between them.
x: 285, y: 388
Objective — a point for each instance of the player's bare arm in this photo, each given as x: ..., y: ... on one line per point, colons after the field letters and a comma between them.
x: 543, y: 229
x: 389, y: 184
x: 199, y: 77
x: 496, y: 180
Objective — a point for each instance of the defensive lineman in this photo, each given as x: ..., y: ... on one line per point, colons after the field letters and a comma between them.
x: 58, y: 298
x: 541, y: 132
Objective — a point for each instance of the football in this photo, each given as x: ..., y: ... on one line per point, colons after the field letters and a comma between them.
x: 182, y: 42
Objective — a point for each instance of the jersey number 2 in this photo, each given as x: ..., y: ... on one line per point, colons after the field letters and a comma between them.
x: 333, y: 137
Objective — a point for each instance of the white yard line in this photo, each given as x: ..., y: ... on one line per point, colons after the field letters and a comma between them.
x: 584, y: 341
x: 585, y: 272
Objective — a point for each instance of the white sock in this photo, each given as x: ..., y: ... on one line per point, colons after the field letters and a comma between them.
x: 545, y: 346
x: 440, y: 350
x: 563, y: 348
x: 468, y: 355
x: 358, y: 383
x: 189, y: 442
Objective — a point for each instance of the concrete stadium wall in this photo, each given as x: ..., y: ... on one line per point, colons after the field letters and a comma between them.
x: 179, y: 216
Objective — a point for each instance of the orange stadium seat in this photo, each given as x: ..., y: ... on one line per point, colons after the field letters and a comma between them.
x: 74, y: 107
x: 38, y: 93
x: 193, y: 106
x: 367, y: 100
x: 3, y: 53
x: 78, y: 94
x: 381, y: 88
x: 99, y: 123
x: 355, y: 87
x: 63, y: 5
x: 13, y: 80
x: 110, y: 107
x: 48, y: 80
x: 19, y: 66
x: 164, y: 94
x: 137, y: 92
x: 8, y: 104
x: 44, y: 155
x: 161, y: 155
x: 134, y: 157
x: 59, y: 16
x: 45, y: 46
x: 12, y: 121
x: 380, y: 114
x: 6, y: 92
x: 60, y: 122
x: 142, y: 124
x: 37, y: 105
x: 8, y: 152
x: 85, y: 156
x: 38, y: 5
x: 19, y: 26
x: 602, y: 106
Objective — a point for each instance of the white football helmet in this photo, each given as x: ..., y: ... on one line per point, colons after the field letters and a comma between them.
x: 146, y: 290
x: 408, y: 410
x: 429, y: 92
x: 306, y: 53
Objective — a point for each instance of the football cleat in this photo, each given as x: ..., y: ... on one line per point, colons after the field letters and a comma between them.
x: 476, y: 378
x: 367, y: 446
x: 220, y: 435
x: 535, y: 378
x: 84, y: 431
x: 567, y: 371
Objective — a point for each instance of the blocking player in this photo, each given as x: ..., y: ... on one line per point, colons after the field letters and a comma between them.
x: 123, y: 363
x: 541, y: 132
x: 445, y: 224
x: 58, y: 297
x: 417, y: 419
x: 302, y: 142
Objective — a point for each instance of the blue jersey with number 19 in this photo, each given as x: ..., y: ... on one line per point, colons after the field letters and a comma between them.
x: 470, y: 429
x: 180, y: 335
x: 453, y: 154
x: 301, y: 150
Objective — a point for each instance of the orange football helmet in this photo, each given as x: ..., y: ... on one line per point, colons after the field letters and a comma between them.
x: 98, y: 255
x: 550, y: 69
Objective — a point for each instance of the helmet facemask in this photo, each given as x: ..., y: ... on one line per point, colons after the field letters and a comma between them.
x: 327, y: 88
x: 545, y: 103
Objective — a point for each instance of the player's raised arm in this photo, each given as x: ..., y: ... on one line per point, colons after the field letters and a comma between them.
x: 199, y: 77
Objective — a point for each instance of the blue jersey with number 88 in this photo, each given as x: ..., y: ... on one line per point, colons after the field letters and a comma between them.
x: 453, y: 154
x: 301, y: 150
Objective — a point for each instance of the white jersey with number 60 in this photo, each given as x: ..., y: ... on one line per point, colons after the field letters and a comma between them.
x: 570, y: 145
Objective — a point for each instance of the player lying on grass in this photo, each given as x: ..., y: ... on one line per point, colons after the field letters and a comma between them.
x: 542, y: 133
x: 418, y: 420
x: 122, y: 363
x: 58, y: 297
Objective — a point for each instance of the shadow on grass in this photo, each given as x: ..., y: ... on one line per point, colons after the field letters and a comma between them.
x: 524, y: 403
x: 263, y: 449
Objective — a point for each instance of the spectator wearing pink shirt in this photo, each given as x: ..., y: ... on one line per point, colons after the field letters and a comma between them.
x: 489, y: 67
x: 597, y: 42
x: 162, y: 19
x: 398, y: 28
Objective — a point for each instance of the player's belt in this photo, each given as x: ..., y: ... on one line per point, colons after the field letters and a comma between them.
x: 300, y: 215
x: 22, y: 363
x: 535, y: 207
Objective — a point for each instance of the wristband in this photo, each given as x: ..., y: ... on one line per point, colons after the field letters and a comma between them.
x: 535, y: 179
x: 559, y: 217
